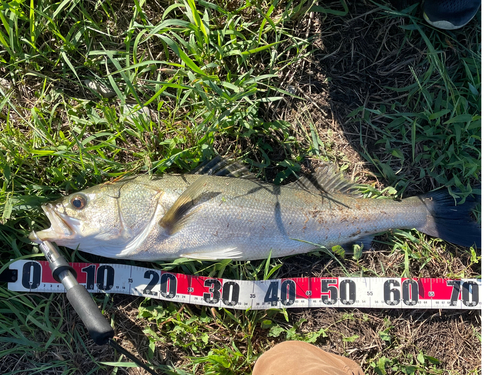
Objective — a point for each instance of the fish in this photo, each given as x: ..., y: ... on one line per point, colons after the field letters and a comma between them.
x: 221, y: 211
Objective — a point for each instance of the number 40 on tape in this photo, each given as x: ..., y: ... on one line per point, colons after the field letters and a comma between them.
x: 304, y: 292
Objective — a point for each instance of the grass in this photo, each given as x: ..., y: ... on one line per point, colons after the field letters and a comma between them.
x: 442, y: 126
x: 269, y: 83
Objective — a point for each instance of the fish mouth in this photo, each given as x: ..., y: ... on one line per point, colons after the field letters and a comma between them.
x: 59, y: 227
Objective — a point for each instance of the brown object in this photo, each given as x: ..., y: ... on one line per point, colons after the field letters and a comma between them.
x: 301, y: 358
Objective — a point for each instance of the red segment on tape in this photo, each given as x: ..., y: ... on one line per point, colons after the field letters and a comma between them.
x: 47, y: 273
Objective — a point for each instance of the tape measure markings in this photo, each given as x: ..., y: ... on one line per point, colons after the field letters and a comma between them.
x: 302, y: 292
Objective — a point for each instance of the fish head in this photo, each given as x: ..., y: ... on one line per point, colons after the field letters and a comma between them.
x: 86, y: 219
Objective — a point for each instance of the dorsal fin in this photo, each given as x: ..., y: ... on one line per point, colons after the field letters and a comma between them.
x: 219, y: 166
x: 326, y: 180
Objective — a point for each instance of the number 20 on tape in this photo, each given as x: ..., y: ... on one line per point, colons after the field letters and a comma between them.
x: 424, y: 293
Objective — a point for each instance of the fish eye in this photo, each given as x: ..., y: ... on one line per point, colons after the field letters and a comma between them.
x: 78, y: 202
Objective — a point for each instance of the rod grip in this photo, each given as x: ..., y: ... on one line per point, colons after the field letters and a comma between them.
x: 99, y: 328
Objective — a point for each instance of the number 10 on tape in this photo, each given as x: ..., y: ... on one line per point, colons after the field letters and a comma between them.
x: 304, y: 292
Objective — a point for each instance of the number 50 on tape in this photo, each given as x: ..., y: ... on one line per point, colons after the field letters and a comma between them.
x: 302, y: 292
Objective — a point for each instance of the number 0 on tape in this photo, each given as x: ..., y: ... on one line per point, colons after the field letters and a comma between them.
x: 358, y: 292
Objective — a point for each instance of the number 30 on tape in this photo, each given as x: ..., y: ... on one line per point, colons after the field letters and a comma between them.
x: 304, y: 292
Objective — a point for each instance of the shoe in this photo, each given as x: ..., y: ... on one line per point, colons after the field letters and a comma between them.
x: 450, y: 14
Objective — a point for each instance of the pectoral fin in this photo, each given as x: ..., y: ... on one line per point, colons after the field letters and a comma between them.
x: 186, y: 205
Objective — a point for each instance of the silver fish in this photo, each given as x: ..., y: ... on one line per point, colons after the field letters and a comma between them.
x: 212, y: 217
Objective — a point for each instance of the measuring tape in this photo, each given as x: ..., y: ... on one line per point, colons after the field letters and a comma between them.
x: 300, y: 292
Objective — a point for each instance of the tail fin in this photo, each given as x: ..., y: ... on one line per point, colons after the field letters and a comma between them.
x: 449, y: 221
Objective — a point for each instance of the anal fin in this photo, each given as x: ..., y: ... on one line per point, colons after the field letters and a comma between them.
x: 365, y: 241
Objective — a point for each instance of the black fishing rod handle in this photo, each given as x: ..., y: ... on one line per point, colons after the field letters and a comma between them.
x: 99, y: 328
